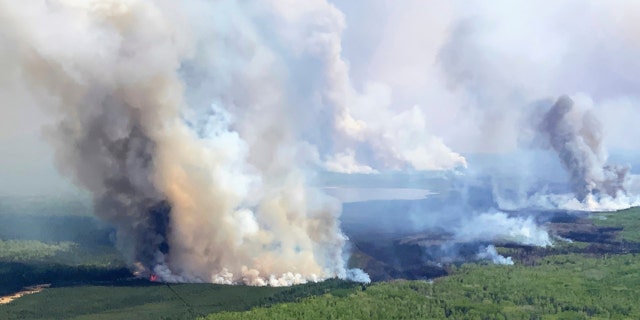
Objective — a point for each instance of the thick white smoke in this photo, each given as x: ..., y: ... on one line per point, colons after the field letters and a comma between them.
x: 197, y: 125
x: 498, y: 226
x: 573, y: 132
x: 363, y: 123
x: 480, y: 74
x: 211, y: 192
x: 490, y: 253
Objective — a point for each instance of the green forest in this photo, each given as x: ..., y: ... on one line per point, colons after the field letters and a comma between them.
x: 559, y: 287
x: 571, y: 280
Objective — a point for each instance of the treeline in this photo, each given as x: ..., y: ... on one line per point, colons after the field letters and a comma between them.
x: 64, y: 253
x: 560, y: 287
x: 138, y: 299
x: 628, y: 220
x: 297, y: 293
x: 31, y: 250
x: 29, y: 262
x: 20, y: 225
x: 14, y: 275
x: 557, y: 287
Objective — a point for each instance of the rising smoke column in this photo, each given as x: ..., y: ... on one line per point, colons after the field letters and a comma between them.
x: 192, y: 122
x: 224, y: 200
x: 368, y: 129
x: 577, y: 139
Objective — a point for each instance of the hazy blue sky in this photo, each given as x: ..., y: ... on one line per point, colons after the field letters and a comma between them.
x: 400, y: 47
x: 27, y: 164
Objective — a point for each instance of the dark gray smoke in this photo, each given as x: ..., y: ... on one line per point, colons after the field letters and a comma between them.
x: 226, y: 201
x: 577, y: 139
x: 117, y: 169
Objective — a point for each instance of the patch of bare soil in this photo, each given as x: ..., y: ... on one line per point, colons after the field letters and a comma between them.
x: 25, y: 291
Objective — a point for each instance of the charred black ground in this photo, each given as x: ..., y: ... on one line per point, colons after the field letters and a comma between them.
x: 431, y: 254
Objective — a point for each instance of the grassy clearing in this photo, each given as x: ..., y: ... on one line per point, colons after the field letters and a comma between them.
x: 628, y: 219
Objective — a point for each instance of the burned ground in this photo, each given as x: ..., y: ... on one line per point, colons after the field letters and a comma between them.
x: 429, y: 255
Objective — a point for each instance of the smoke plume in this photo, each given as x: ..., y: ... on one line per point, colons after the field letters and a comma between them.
x: 577, y: 139
x: 216, y: 192
x: 200, y: 127
x: 490, y: 253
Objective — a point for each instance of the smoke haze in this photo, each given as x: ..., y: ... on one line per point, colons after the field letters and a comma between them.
x: 201, y: 128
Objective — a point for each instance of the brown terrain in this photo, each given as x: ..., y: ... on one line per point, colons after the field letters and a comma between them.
x: 25, y: 291
x: 430, y: 255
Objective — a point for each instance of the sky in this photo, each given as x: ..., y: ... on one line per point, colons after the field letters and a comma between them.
x: 467, y: 70
x: 27, y: 166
